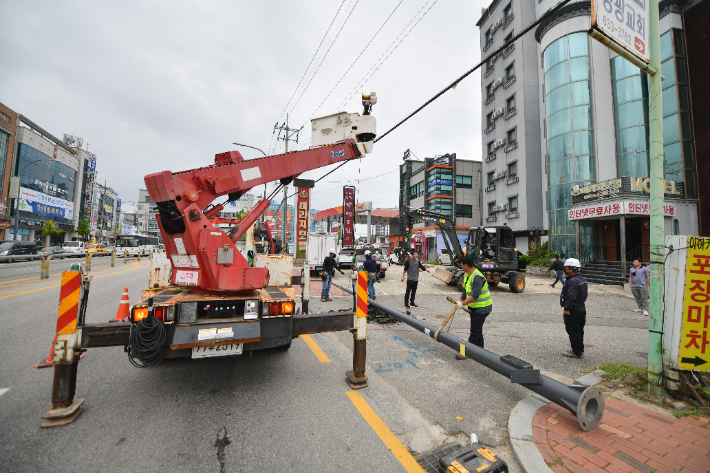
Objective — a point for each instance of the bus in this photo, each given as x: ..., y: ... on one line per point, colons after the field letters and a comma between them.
x: 136, y: 244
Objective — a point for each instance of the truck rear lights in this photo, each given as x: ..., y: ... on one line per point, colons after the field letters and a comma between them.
x: 140, y: 313
x: 287, y: 307
x: 274, y: 308
x: 251, y: 310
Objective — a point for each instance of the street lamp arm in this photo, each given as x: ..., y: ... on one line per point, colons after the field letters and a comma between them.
x: 252, y: 147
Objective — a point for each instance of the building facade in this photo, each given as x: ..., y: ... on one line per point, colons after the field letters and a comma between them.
x: 441, y: 184
x: 146, y: 211
x: 8, y: 130
x: 585, y: 154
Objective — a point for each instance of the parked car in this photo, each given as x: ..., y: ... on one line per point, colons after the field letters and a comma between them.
x: 74, y: 249
x: 18, y: 248
x: 445, y: 257
x: 56, y: 252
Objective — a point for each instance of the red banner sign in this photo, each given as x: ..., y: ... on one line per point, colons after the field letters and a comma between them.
x: 348, y: 216
x: 302, y: 221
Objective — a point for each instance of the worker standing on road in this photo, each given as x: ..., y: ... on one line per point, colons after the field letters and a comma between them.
x: 478, y: 299
x: 329, y: 267
x: 640, y: 280
x: 558, y: 266
x: 411, y: 270
x: 574, y: 294
x: 370, y: 265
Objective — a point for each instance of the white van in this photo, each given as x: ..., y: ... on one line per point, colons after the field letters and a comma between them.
x: 74, y: 248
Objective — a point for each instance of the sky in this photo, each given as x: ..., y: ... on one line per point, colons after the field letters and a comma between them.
x: 153, y: 86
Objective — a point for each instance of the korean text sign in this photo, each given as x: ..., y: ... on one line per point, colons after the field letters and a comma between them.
x: 625, y: 22
x: 40, y: 203
x: 695, y: 333
x: 302, y: 204
x: 348, y: 216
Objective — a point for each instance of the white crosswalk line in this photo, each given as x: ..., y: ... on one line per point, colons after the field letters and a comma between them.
x: 3, y: 391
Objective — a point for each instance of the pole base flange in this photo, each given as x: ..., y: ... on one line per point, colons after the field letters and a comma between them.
x: 355, y: 382
x: 62, y: 416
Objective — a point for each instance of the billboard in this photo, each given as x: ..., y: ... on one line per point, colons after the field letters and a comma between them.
x: 40, y: 203
x: 348, y: 216
x: 625, y: 22
x: 302, y: 204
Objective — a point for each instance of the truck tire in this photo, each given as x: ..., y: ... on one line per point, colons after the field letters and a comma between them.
x: 516, y: 282
x: 459, y: 283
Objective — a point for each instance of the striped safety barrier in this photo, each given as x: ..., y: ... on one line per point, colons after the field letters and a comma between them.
x: 361, y: 320
x: 69, y: 302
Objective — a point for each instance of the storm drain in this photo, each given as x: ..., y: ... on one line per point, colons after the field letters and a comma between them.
x: 430, y: 460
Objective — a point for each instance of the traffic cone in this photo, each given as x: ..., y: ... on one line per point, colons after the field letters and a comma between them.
x: 124, y: 312
x: 48, y: 362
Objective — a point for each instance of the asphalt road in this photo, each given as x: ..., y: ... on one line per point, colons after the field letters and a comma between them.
x: 281, y: 411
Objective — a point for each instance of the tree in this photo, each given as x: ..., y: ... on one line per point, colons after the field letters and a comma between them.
x: 241, y: 214
x: 84, y: 229
x: 50, y: 229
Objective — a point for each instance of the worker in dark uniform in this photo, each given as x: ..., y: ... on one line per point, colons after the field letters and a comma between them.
x: 329, y: 267
x: 558, y: 266
x: 572, y: 298
x: 477, y: 298
x: 370, y: 265
x: 411, y: 270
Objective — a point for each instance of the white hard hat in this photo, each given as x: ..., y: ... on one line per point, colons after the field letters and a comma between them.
x: 573, y: 262
x: 367, y: 252
x: 332, y: 250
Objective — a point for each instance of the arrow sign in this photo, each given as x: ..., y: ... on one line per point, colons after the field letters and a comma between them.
x: 693, y: 361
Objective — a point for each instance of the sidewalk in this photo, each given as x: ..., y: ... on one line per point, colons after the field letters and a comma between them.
x: 629, y: 438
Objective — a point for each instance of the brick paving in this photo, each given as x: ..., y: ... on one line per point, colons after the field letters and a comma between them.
x: 630, y: 438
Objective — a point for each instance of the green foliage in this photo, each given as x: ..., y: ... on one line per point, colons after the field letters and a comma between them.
x: 525, y: 259
x: 614, y: 371
x: 241, y: 214
x: 84, y: 229
x: 50, y: 229
x: 539, y: 254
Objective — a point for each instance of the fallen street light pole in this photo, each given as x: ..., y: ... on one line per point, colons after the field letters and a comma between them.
x: 585, y: 402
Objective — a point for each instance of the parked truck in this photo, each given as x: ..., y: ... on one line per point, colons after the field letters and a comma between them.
x: 317, y: 247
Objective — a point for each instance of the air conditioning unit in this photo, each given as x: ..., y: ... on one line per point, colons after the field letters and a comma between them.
x: 497, y: 83
x: 496, y: 25
x: 498, y: 113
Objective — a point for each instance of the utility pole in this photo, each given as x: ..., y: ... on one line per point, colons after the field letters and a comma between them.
x: 288, y: 135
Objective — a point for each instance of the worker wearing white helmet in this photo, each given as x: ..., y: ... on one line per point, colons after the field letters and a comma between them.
x: 572, y: 299
x: 329, y: 267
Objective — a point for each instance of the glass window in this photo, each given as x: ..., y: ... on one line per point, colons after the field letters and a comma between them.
x: 688, y: 154
x: 557, y: 76
x: 560, y: 196
x: 666, y: 46
x: 513, y: 204
x: 579, y: 68
x: 631, y: 114
x: 683, y: 98
x: 490, y: 177
x: 508, y: 10
x: 559, y: 123
x: 463, y: 182
x: 488, y: 36
x: 584, y: 168
x: 490, y: 207
x: 582, y: 118
x: 513, y: 169
x: 671, y: 130
x: 678, y: 42
x: 555, y: 53
x: 631, y: 88
x: 490, y: 147
x: 560, y: 223
x: 489, y: 90
x: 668, y: 71
x: 510, y: 72
x: 512, y: 136
x: 583, y: 142
x: 680, y: 70
x: 578, y: 45
x: 559, y: 147
x: 510, y: 104
x: 558, y: 99
x: 560, y: 172
x: 631, y: 140
x: 465, y: 211
x: 685, y: 123
x: 581, y: 93
x: 672, y: 158
x: 621, y: 69
x: 489, y: 119
x: 508, y: 38
x: 632, y: 164
x: 670, y: 101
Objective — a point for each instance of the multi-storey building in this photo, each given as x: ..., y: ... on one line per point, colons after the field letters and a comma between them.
x: 146, y: 211
x: 442, y: 184
x: 582, y: 161
x: 8, y: 128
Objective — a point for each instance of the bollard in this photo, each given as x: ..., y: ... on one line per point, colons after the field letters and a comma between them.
x: 113, y: 256
x: 125, y: 257
x: 306, y: 295
x: 44, y: 268
x: 88, y: 261
x: 586, y: 403
x: 139, y: 255
x: 356, y: 378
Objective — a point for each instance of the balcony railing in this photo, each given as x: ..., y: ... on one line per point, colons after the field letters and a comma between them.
x: 491, y: 188
x: 509, y: 50
x: 514, y: 214
x: 507, y: 21
x: 488, y: 45
x: 512, y: 180
x: 511, y: 113
x: 488, y: 72
x: 490, y: 219
x: 490, y: 157
x: 511, y: 147
x: 642, y: 252
x: 509, y: 82
x: 490, y: 128
x: 489, y: 99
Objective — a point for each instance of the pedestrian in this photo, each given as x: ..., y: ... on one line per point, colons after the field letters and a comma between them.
x: 378, y: 261
x: 478, y: 299
x: 370, y: 265
x: 558, y: 266
x: 411, y: 269
x: 574, y: 294
x: 640, y: 280
x: 329, y: 267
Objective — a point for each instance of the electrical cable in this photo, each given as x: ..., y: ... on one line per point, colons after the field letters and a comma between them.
x: 146, y: 343
x: 542, y: 18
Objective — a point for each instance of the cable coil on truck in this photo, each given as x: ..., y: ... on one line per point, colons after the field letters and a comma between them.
x: 147, y: 342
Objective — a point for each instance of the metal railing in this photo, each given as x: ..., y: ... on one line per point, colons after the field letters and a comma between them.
x: 512, y: 180
x: 642, y: 252
x: 487, y: 45
x: 489, y: 99
x: 488, y: 72
x: 490, y: 157
x: 589, y: 254
x: 507, y: 21
x: 511, y: 147
x: 491, y: 188
x: 490, y: 128
x: 490, y: 219
x: 511, y: 113
x: 509, y: 82
x: 508, y: 51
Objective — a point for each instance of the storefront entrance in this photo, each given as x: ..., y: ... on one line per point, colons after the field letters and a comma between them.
x: 636, y: 236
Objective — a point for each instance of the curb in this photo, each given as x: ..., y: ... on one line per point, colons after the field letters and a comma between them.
x: 521, y: 436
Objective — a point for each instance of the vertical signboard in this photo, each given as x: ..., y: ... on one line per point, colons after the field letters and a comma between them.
x: 625, y: 22
x: 695, y: 333
x: 348, y: 216
x: 302, y: 212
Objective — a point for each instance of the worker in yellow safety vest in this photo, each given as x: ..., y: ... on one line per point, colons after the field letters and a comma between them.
x: 478, y: 299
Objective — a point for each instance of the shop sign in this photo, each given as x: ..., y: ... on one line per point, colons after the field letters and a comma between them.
x: 14, y: 187
x: 349, y: 216
x: 302, y: 204
x: 363, y: 207
x: 598, y: 190
x: 625, y: 22
x: 623, y: 187
x: 616, y: 209
x: 4, y: 224
x: 40, y: 203
x: 695, y: 333
x: 444, y: 182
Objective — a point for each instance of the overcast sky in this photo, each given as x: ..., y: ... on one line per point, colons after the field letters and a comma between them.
x: 155, y: 86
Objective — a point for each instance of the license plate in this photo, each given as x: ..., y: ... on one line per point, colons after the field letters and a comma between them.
x: 218, y: 350
x: 488, y: 266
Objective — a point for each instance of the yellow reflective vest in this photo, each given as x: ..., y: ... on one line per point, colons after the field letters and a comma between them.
x: 484, y: 299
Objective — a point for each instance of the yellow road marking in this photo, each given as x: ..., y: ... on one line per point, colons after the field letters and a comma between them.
x: 2, y: 284
x: 137, y: 266
x: 399, y: 451
x: 315, y: 349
